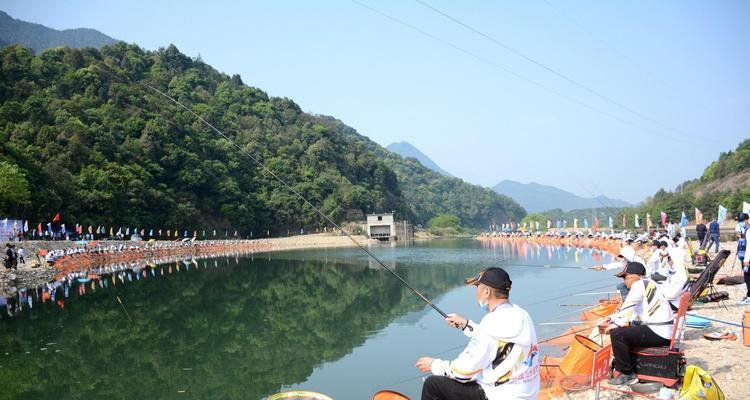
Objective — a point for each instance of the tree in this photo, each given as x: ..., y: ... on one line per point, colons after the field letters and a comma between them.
x: 14, y: 189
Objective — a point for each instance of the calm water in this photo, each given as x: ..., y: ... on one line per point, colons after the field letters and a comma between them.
x: 243, y: 328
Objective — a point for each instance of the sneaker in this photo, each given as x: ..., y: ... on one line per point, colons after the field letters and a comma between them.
x: 623, y: 379
x: 744, y: 302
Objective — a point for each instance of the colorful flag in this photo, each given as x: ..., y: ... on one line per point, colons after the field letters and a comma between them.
x: 746, y: 207
x: 111, y: 233
x: 143, y: 232
x: 611, y: 225
x: 637, y: 222
x: 649, y: 223
x: 536, y: 224
x: 624, y: 221
x: 575, y: 223
x: 663, y: 218
x: 549, y: 224
x: 586, y: 223
x: 167, y: 232
x: 558, y: 224
x: 56, y: 218
x: 596, y: 223
x: 683, y: 220
x: 26, y: 226
x: 91, y: 230
x: 698, y: 216
x: 722, y: 213
x: 39, y: 228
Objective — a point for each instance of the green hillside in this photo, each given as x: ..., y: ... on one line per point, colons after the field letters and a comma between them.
x: 725, y: 181
x: 80, y: 135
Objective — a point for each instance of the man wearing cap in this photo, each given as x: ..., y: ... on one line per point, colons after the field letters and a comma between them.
x: 501, y: 360
x: 627, y: 254
x: 644, y: 319
x: 656, y: 265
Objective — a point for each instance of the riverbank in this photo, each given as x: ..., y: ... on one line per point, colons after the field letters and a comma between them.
x: 724, y: 360
x: 35, y: 272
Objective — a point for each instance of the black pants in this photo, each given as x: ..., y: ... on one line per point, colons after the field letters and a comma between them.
x: 444, y: 388
x: 629, y: 337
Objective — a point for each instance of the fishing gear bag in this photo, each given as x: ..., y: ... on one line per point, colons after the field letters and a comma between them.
x: 699, y: 385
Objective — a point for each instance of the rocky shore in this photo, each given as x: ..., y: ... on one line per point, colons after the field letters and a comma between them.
x: 35, y: 271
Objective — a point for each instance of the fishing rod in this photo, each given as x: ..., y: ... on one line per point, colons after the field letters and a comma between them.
x: 546, y: 266
x: 299, y: 195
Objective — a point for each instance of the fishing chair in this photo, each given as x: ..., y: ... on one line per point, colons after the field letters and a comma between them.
x: 664, y: 364
x: 706, y: 278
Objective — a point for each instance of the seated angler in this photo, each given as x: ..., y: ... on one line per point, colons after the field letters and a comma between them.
x: 627, y: 254
x: 501, y: 360
x: 645, y: 319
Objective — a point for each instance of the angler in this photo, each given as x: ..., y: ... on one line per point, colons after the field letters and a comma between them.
x: 501, y: 360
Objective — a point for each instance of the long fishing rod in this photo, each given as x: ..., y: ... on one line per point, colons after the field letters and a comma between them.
x: 546, y: 266
x: 299, y: 195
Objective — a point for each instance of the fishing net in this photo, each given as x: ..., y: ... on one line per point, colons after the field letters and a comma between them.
x: 605, y: 308
x: 580, y: 357
x: 389, y: 395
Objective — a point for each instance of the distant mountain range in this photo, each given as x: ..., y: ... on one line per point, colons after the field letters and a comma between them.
x: 39, y: 37
x: 406, y: 149
x: 535, y: 197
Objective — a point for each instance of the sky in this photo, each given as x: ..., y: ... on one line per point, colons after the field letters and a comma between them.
x: 619, y: 98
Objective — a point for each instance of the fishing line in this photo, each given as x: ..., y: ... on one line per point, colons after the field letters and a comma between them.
x: 464, y: 346
x: 553, y: 71
x: 299, y: 195
x: 123, y: 308
x: 506, y: 70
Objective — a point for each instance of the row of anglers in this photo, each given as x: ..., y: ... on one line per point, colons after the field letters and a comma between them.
x: 104, y: 276
x: 92, y: 254
x: 502, y: 359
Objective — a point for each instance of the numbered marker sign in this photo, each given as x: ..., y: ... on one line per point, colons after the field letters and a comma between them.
x: 600, y: 369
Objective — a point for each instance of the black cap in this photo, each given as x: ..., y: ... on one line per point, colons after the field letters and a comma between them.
x: 494, y: 277
x: 663, y: 243
x: 742, y: 217
x: 656, y: 243
x: 635, y: 268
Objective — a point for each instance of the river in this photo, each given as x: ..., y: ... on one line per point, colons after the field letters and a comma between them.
x: 330, y: 321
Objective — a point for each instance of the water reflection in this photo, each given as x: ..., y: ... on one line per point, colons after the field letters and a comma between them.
x: 233, y: 327
x: 241, y: 329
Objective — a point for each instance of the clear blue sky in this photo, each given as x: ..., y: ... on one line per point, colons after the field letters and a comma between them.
x: 679, y: 63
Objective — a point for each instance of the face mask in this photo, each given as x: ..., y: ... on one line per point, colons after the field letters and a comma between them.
x: 484, y: 306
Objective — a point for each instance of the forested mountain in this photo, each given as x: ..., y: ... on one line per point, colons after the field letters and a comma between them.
x: 406, y: 149
x: 82, y: 134
x: 39, y: 37
x: 535, y: 197
x: 725, y: 181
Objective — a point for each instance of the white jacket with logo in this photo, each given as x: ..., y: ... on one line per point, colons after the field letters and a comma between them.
x: 502, y: 355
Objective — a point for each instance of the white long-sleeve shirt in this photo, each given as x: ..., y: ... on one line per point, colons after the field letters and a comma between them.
x: 502, y: 355
x: 677, y: 277
x: 646, y: 302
